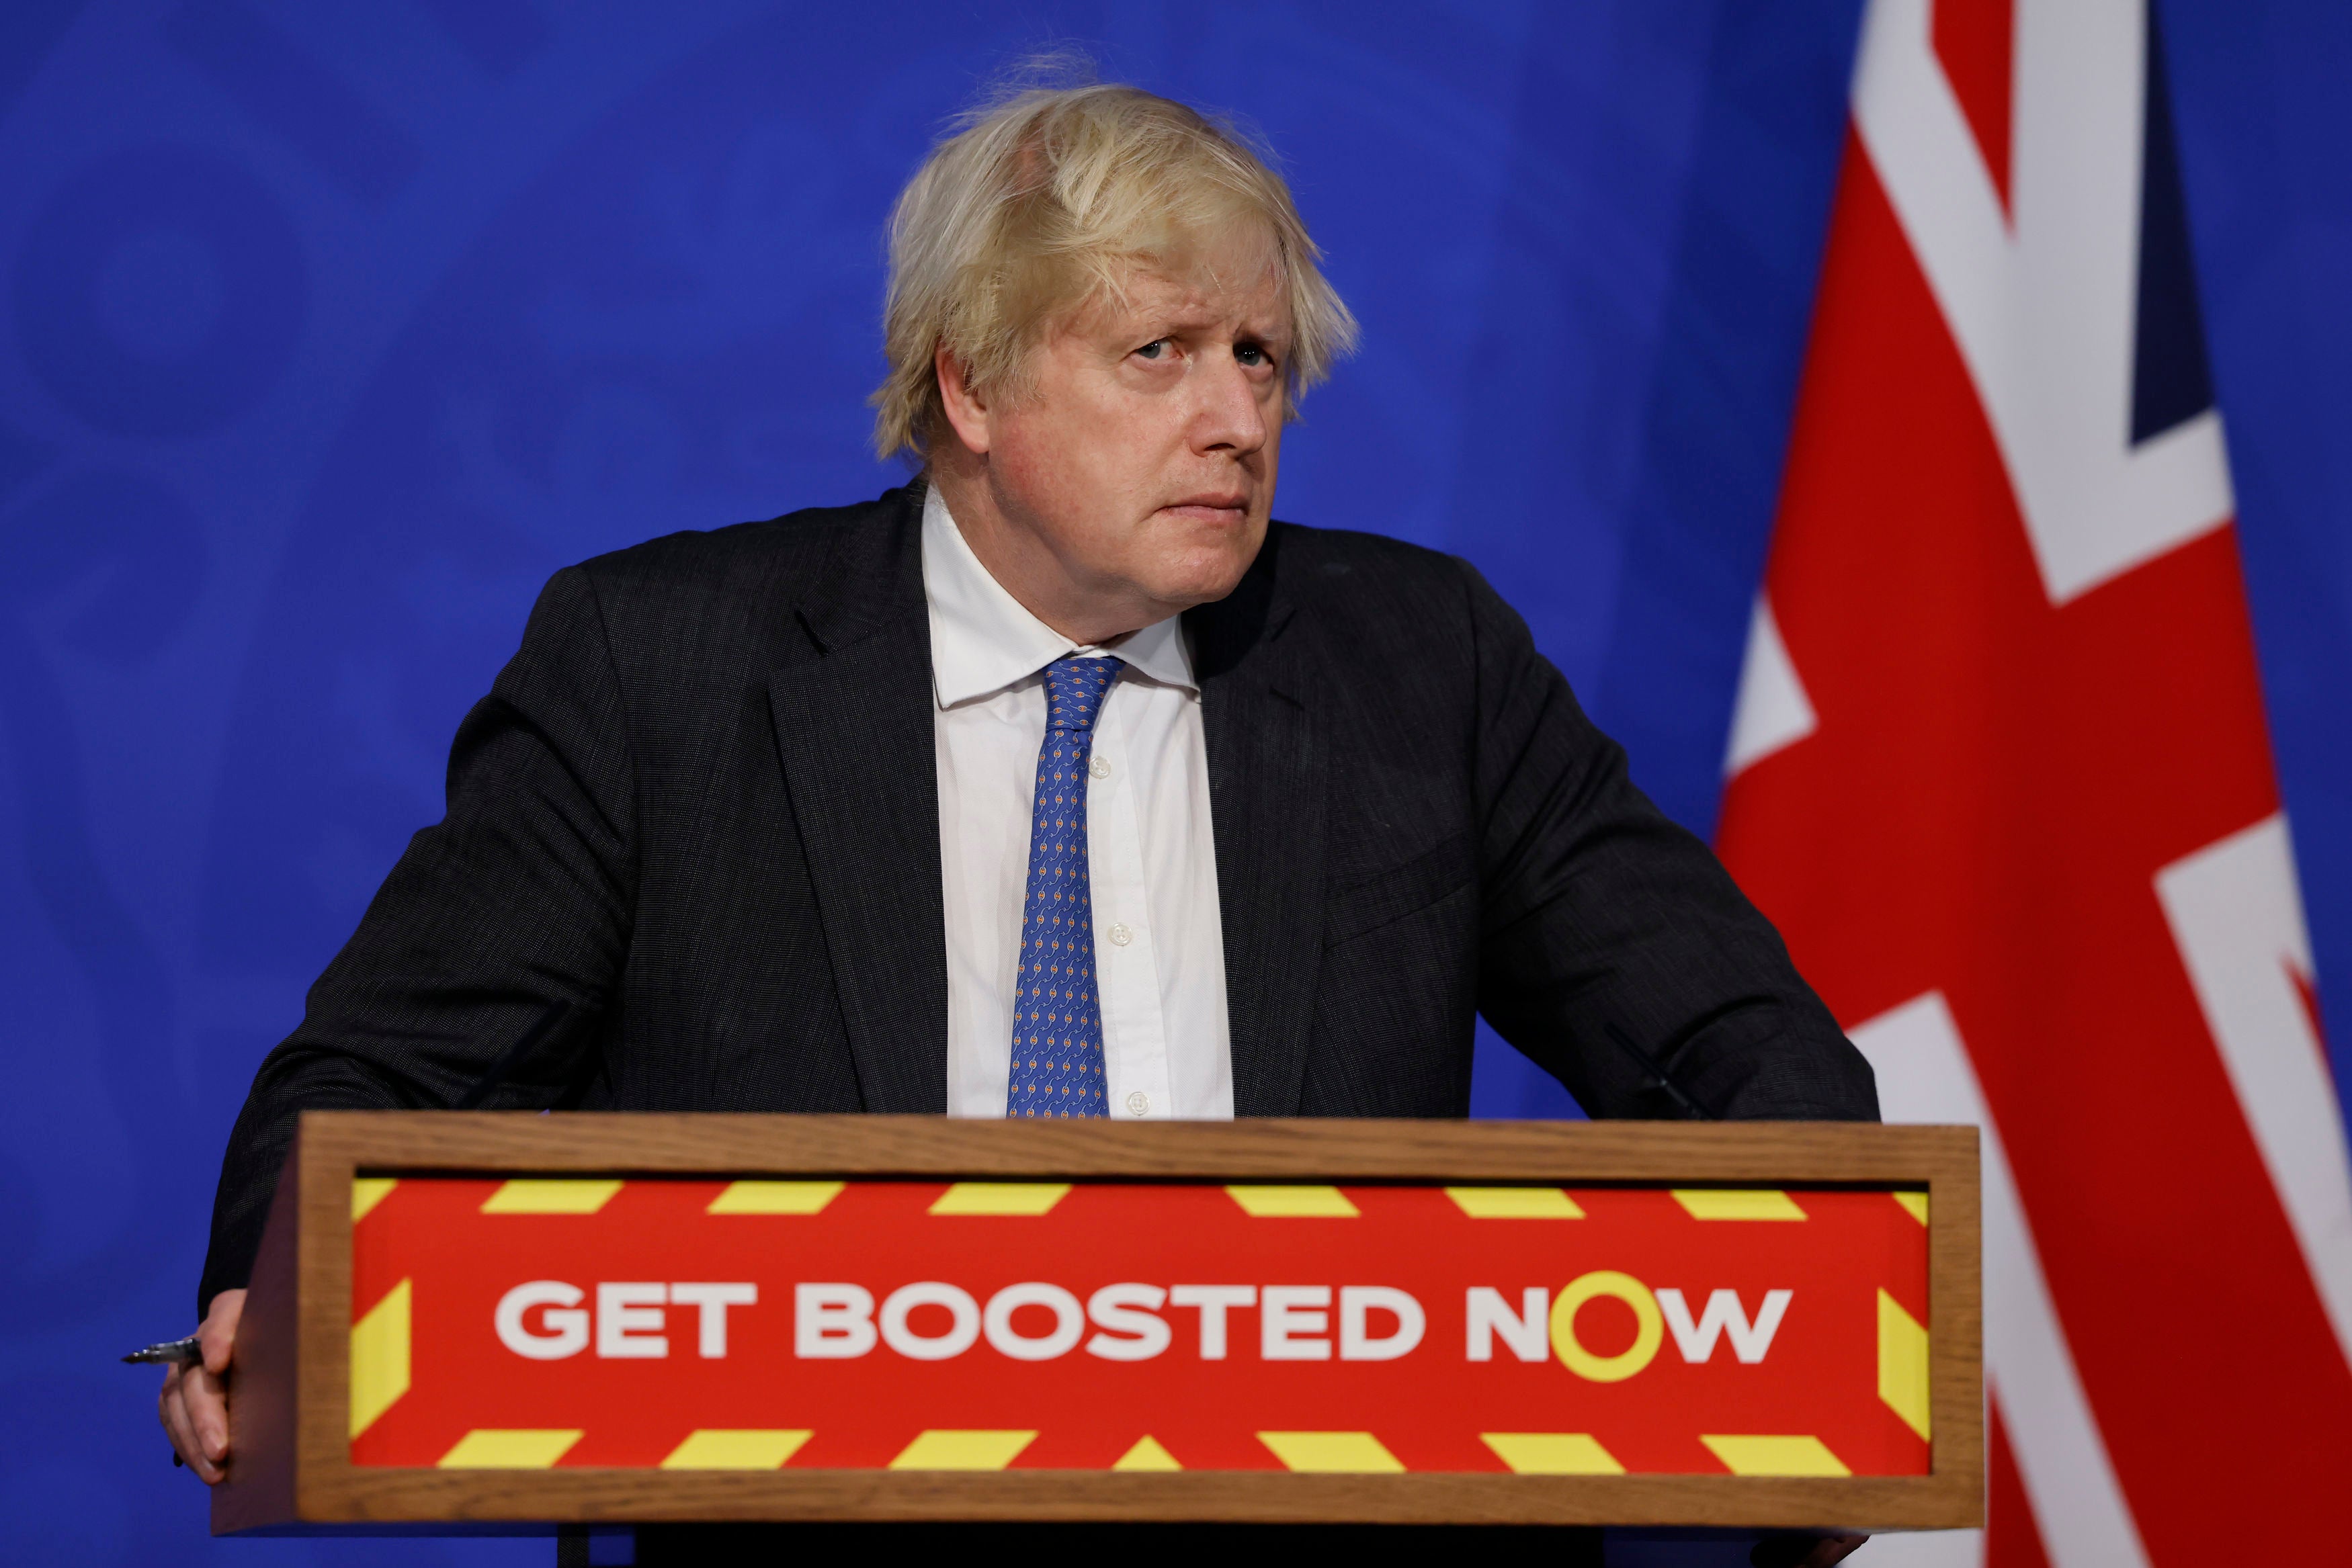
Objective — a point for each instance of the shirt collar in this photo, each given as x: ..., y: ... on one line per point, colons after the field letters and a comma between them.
x: 983, y: 639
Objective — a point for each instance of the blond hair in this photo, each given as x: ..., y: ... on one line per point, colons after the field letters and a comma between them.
x: 1045, y: 198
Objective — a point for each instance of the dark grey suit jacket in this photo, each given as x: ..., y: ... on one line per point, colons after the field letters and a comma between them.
x: 700, y: 807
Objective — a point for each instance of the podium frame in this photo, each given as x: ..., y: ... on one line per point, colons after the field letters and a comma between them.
x: 291, y: 1469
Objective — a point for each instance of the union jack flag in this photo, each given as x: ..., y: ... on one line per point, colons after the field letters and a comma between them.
x: 1999, y: 772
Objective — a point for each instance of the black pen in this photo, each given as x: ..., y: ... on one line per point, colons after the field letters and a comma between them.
x: 172, y: 1352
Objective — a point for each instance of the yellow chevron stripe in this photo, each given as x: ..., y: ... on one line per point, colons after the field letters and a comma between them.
x: 380, y: 1357
x: 1147, y: 1455
x: 1332, y: 1453
x: 1791, y: 1455
x: 510, y: 1448
x: 1030, y: 1197
x: 367, y: 1192
x: 1914, y: 1204
x: 775, y: 1198
x: 735, y: 1448
x: 1552, y: 1453
x: 1720, y: 1203
x: 1293, y: 1202
x: 550, y: 1196
x: 1903, y: 1364
x: 1514, y: 1203
x: 947, y: 1449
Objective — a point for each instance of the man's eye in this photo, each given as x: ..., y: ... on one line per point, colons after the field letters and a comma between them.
x: 1153, y: 349
x: 1251, y: 354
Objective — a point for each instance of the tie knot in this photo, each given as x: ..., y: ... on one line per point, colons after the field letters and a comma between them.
x: 1074, y: 692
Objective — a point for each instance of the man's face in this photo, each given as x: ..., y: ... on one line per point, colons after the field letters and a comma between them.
x: 1143, y: 461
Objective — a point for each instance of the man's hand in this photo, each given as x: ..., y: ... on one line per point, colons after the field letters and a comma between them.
x: 1805, y: 1551
x: 195, y: 1402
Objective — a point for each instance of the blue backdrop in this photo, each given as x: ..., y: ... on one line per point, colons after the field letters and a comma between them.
x: 330, y: 331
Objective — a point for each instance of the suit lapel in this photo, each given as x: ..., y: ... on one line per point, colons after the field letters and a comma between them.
x: 1267, y: 772
x: 854, y: 734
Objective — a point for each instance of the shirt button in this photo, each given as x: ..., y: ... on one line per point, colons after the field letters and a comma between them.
x: 1121, y: 935
x: 1138, y: 1103
x: 1098, y: 768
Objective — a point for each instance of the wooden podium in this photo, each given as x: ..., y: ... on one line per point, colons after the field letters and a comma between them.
x: 480, y: 1318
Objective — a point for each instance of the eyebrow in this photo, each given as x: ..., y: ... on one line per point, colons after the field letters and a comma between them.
x: 1180, y: 321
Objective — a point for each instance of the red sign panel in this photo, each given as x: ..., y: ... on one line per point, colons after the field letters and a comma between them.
x: 869, y: 1324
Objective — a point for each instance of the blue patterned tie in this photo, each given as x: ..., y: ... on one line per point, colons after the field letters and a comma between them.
x: 1057, y: 1048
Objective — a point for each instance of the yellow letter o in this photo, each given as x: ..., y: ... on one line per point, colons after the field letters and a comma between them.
x: 1650, y: 1327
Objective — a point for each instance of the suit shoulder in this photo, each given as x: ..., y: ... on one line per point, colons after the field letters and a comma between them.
x: 1352, y: 575
x: 791, y: 548
x: 1342, y: 551
x: 723, y: 598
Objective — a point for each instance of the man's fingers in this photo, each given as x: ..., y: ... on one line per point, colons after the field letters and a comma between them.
x: 193, y: 1406
x: 175, y: 1412
x: 207, y: 1411
x: 171, y: 1409
x: 195, y: 1402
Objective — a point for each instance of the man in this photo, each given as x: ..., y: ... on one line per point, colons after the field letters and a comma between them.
x: 793, y: 816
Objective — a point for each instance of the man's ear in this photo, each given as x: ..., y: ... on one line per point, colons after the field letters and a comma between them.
x: 967, y: 411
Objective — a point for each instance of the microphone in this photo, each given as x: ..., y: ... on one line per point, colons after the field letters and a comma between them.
x: 1691, y: 1109
x: 514, y: 1056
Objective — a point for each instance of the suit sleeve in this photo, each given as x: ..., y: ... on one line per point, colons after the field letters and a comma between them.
x: 515, y: 903
x: 1598, y: 910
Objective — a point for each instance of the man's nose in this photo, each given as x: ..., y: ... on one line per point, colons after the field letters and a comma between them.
x: 1228, y: 416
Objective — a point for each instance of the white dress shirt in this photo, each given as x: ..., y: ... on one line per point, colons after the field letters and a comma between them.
x: 1159, y: 951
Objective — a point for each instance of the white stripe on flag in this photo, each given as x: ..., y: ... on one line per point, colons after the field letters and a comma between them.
x: 1772, y: 710
x: 2237, y: 916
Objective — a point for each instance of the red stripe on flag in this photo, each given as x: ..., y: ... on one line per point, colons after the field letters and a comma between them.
x: 1975, y: 43
x: 2307, y: 993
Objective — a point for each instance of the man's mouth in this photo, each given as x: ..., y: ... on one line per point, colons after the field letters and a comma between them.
x: 1220, y: 507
